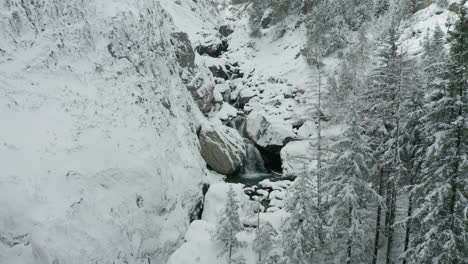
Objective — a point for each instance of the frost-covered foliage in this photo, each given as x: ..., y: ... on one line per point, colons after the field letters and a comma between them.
x: 265, y: 239
x: 229, y: 225
x: 301, y: 241
x: 441, y: 194
x: 349, y: 196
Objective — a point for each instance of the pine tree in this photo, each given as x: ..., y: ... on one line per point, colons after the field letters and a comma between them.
x: 300, y: 236
x: 442, y: 193
x: 385, y: 99
x: 264, y: 240
x: 229, y: 223
x: 350, y: 195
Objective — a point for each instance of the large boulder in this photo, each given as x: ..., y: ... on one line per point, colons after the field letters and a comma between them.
x: 298, y: 157
x: 211, y: 46
x: 225, y: 30
x: 267, y: 131
x: 222, y: 148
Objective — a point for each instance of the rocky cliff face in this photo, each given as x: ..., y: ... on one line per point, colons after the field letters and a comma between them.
x: 99, y: 154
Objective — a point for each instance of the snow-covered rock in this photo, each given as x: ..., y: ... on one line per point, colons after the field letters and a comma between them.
x: 307, y: 130
x: 267, y: 130
x: 226, y: 112
x: 296, y: 157
x: 246, y: 94
x: 211, y: 45
x: 222, y: 148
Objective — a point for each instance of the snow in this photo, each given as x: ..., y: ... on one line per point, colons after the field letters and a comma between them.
x: 296, y: 157
x: 91, y: 145
x: 226, y: 112
x: 215, y: 200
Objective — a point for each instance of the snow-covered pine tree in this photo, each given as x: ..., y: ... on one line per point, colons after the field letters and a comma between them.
x: 229, y: 224
x: 426, y: 74
x: 443, y: 194
x: 349, y: 194
x: 264, y: 241
x: 300, y: 233
x: 413, y: 147
x: 385, y: 98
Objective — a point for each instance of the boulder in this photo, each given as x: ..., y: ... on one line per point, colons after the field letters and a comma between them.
x: 183, y: 49
x: 212, y: 46
x: 222, y: 148
x: 297, y: 157
x: 245, y: 96
x: 219, y: 71
x: 225, y: 30
x: 268, y: 131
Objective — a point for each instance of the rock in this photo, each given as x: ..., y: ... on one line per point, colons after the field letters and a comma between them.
x: 183, y: 49
x: 226, y: 112
x: 307, y: 130
x: 222, y: 148
x: 212, y: 46
x: 266, y: 19
x: 297, y: 157
x: 196, y: 79
x: 268, y: 131
x: 245, y: 96
x: 225, y: 30
x: 237, y: 2
x: 423, y: 4
x: 219, y: 71
x: 201, y: 86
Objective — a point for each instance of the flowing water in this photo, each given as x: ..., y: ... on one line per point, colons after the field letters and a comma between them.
x: 253, y: 171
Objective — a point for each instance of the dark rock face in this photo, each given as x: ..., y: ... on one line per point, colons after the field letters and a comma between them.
x: 225, y: 30
x: 184, y: 51
x: 272, y: 158
x: 201, y: 86
x: 219, y: 72
x: 266, y: 21
x: 222, y: 148
x: 197, y: 80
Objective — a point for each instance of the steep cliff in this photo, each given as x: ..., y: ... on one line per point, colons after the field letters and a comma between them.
x: 99, y: 155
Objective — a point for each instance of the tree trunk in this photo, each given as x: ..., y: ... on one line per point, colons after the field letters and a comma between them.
x: 319, y: 151
x: 377, y: 225
x: 391, y: 221
x: 350, y: 238
x: 408, y: 223
x: 230, y: 247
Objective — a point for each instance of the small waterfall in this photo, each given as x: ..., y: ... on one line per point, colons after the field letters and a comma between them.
x: 254, y: 162
x: 253, y: 169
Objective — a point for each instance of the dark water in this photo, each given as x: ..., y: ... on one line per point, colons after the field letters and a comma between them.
x: 249, y: 179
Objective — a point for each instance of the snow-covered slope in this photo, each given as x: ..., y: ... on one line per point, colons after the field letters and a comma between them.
x: 99, y: 159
